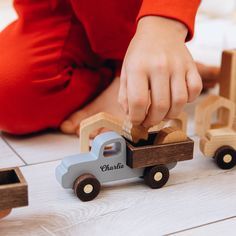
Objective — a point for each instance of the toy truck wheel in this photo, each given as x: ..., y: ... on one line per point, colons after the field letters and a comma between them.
x: 225, y: 157
x: 156, y: 176
x: 86, y: 187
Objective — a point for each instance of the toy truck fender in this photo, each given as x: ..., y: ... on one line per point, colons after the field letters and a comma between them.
x: 104, y: 168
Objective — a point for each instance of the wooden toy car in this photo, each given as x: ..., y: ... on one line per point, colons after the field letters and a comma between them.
x: 13, y: 190
x: 112, y: 157
x: 214, y: 124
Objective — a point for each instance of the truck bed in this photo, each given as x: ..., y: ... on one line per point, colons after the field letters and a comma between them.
x: 145, y: 153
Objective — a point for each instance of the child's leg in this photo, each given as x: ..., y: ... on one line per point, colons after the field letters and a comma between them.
x: 42, y: 67
x: 109, y: 35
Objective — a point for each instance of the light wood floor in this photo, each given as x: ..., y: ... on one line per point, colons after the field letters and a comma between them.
x: 199, y: 199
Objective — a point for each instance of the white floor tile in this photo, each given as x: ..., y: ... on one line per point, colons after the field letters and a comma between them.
x: 7, y: 156
x: 43, y: 147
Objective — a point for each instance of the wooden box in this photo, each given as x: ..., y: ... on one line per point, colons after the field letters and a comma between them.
x: 13, y: 189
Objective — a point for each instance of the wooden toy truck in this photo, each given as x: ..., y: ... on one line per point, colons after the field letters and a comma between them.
x: 113, y: 157
x: 13, y: 190
x: 218, y: 137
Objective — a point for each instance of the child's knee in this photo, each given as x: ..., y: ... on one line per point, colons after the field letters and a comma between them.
x: 27, y: 99
x: 18, y: 98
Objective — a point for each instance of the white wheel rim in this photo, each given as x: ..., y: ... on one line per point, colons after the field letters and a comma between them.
x: 227, y: 158
x: 88, y: 188
x: 158, y: 176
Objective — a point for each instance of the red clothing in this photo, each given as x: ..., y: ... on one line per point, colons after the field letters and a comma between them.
x: 59, y: 54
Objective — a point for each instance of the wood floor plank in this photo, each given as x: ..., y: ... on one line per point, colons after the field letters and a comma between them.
x: 197, y: 192
x: 48, y: 146
x: 164, y: 211
x: 19, y: 231
x: 7, y: 157
x: 223, y: 227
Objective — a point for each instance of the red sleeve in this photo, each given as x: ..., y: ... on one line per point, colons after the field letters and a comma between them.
x: 181, y: 10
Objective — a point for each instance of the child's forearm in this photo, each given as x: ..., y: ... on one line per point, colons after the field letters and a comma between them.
x: 158, y: 60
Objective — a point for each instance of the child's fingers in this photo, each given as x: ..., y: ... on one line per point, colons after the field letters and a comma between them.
x: 72, y: 124
x: 179, y: 94
x: 122, y: 96
x: 160, y: 99
x: 138, y: 96
x: 194, y: 84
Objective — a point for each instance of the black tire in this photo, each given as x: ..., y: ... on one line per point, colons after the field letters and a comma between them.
x: 156, y: 176
x: 225, y: 157
x: 86, y: 187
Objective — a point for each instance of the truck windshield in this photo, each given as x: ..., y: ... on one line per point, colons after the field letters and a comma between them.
x: 112, y: 149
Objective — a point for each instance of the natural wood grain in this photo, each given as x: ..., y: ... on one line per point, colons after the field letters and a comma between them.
x: 105, y: 120
x: 13, y: 189
x: 228, y: 75
x: 100, y: 120
x: 180, y: 122
x: 125, y: 128
x: 218, y: 134
x: 134, y: 132
x: 217, y: 138
x: 170, y: 135
x: 143, y: 155
x: 224, y: 108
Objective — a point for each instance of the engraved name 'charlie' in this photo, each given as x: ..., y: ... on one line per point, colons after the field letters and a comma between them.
x: 108, y: 167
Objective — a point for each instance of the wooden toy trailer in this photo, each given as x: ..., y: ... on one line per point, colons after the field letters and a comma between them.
x: 13, y: 190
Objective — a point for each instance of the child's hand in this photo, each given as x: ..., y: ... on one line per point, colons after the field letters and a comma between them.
x: 158, y: 61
